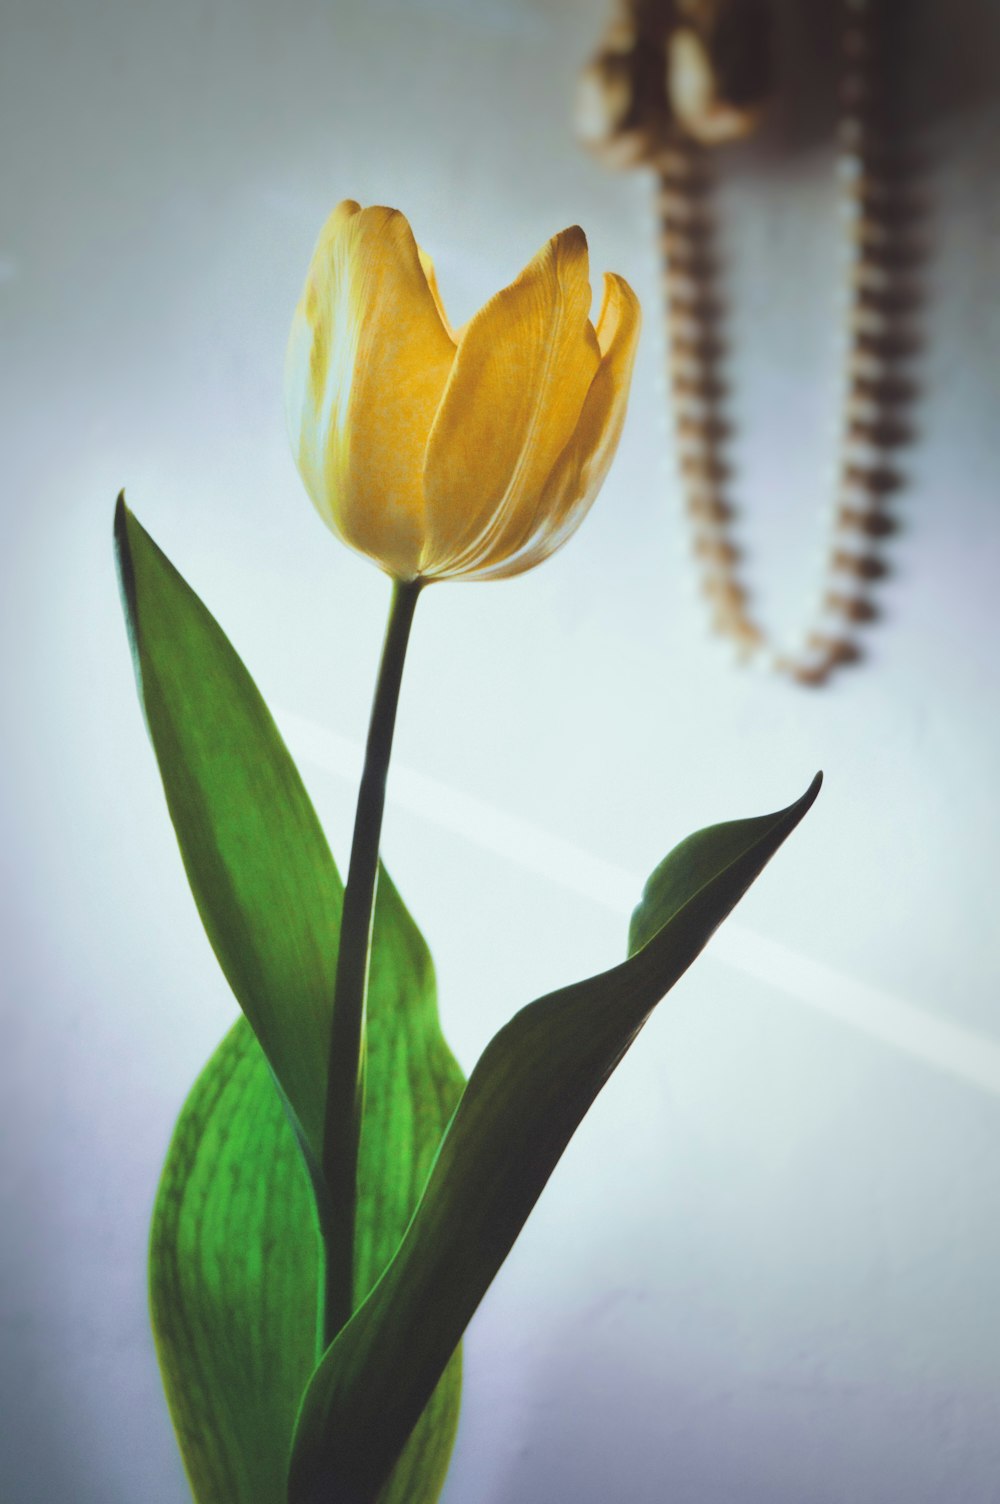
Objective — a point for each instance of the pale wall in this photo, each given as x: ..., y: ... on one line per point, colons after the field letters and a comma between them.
x: 767, y: 1268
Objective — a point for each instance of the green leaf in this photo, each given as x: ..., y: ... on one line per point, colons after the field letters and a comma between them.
x: 235, y: 1253
x: 524, y: 1100
x: 413, y: 1085
x: 233, y: 1279
x: 234, y: 1261
x: 256, y: 858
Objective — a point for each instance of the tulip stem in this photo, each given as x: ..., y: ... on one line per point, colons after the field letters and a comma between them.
x: 346, y: 1075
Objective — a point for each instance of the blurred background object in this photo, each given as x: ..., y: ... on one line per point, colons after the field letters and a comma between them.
x: 711, y: 60
x: 700, y: 68
x: 766, y: 1268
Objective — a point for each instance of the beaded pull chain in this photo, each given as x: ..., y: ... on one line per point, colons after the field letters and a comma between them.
x: 672, y: 136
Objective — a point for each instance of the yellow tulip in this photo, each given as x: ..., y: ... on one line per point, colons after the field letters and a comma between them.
x: 444, y: 454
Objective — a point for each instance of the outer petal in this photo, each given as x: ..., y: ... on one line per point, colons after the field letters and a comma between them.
x: 524, y: 366
x: 367, y: 363
x: 432, y: 282
x: 579, y: 472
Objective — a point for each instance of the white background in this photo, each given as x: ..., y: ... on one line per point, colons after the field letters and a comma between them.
x: 767, y: 1267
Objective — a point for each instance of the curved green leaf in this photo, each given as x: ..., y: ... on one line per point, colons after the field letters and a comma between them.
x: 523, y: 1102
x: 234, y: 1257
x: 412, y: 1087
x: 234, y: 1248
x: 233, y: 1279
x: 266, y: 886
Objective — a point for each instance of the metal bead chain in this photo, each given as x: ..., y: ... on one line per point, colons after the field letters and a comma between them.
x: 873, y: 393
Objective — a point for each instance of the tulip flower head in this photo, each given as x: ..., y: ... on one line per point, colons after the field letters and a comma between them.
x: 453, y: 454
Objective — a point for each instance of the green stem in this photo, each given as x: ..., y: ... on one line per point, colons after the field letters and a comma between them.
x: 346, y: 1076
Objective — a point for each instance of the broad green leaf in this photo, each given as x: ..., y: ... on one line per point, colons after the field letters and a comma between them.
x: 270, y: 897
x: 233, y: 1279
x: 234, y: 1251
x: 256, y: 858
x: 413, y: 1085
x: 524, y: 1100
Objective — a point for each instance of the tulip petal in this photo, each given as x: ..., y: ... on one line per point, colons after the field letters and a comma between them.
x: 524, y: 365
x: 427, y: 265
x: 367, y: 363
x: 579, y: 472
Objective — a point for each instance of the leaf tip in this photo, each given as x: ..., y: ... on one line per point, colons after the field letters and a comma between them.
x: 122, y: 514
x: 127, y: 584
x: 121, y: 539
x: 810, y: 794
